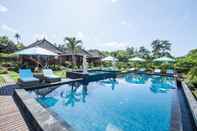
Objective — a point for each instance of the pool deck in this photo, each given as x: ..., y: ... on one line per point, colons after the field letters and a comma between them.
x: 11, y: 119
x: 10, y: 116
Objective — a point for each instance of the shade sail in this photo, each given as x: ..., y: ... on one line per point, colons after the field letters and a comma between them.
x: 36, y: 51
x: 137, y: 59
x: 164, y: 59
x: 109, y: 58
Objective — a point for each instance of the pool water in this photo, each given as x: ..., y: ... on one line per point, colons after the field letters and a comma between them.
x: 131, y: 103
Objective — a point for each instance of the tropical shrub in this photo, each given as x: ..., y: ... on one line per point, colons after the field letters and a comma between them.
x: 3, y: 70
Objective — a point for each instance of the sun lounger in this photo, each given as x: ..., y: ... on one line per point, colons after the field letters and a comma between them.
x: 26, y: 77
x: 142, y: 70
x: 132, y: 69
x: 170, y: 72
x: 157, y: 71
x: 49, y: 76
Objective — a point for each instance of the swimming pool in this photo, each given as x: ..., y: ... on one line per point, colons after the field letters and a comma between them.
x: 134, y: 102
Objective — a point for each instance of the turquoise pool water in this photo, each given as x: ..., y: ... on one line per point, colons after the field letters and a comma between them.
x: 130, y: 103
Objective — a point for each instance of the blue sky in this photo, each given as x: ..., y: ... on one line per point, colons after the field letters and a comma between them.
x: 103, y: 24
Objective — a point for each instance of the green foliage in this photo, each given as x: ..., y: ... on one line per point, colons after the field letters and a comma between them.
x: 3, y: 70
x: 2, y: 79
x: 60, y: 73
x: 74, y: 45
x: 161, y: 48
x: 188, y: 65
x: 6, y: 45
x: 19, y: 45
x: 14, y: 75
x: 192, y: 77
x: 144, y: 53
x: 121, y: 55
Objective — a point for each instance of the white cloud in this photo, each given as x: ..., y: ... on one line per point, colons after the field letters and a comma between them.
x: 9, y: 29
x: 3, y: 8
x: 124, y: 22
x: 114, y: 1
x: 80, y: 35
x: 113, y: 45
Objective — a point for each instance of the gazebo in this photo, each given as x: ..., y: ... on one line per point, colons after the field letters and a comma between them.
x: 36, y: 52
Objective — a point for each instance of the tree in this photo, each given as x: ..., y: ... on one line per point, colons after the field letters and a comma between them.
x: 161, y: 48
x: 73, y: 44
x: 6, y: 45
x: 130, y: 51
x: 121, y: 55
x: 143, y: 52
x: 19, y: 45
x: 17, y: 36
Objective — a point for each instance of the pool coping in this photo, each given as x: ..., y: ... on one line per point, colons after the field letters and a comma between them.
x: 176, y: 120
x: 36, y: 116
x: 191, y: 101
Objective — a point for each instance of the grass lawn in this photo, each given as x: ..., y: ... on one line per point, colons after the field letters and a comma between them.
x: 1, y: 80
x: 13, y: 75
x: 60, y: 73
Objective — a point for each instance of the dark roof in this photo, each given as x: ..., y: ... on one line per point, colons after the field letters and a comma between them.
x: 80, y: 52
x: 95, y: 53
x: 46, y: 45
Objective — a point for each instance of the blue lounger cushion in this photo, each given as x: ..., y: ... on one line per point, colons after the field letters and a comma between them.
x: 26, y: 75
x: 29, y: 79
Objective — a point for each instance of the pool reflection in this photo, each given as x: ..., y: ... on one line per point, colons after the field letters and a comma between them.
x: 136, y: 78
x: 162, y: 84
x: 110, y: 83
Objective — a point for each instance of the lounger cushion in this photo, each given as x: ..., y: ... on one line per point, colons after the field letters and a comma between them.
x: 23, y: 73
x: 142, y: 69
x: 170, y: 71
x: 52, y: 76
x: 157, y: 71
x: 29, y: 79
x: 49, y: 73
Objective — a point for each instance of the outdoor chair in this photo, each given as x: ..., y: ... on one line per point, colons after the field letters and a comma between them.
x: 50, y: 76
x: 131, y: 69
x: 157, y: 71
x: 26, y: 77
x: 141, y: 70
x: 170, y: 72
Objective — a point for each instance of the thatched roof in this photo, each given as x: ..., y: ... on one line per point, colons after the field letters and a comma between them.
x: 46, y: 45
x: 67, y: 52
x: 79, y: 52
x: 95, y: 53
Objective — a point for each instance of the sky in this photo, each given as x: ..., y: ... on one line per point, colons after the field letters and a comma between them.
x: 103, y: 24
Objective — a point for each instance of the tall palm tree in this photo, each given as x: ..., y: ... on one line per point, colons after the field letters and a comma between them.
x: 17, y: 36
x: 73, y: 44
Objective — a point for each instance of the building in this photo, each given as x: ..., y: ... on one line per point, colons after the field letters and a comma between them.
x: 65, y: 55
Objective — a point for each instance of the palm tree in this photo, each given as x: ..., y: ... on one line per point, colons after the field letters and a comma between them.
x: 17, y: 36
x: 73, y: 44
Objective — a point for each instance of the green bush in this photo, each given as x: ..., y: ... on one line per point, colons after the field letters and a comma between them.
x: 192, y: 78
x: 3, y: 70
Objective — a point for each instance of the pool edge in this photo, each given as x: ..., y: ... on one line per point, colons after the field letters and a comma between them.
x: 36, y: 116
x: 191, y: 101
